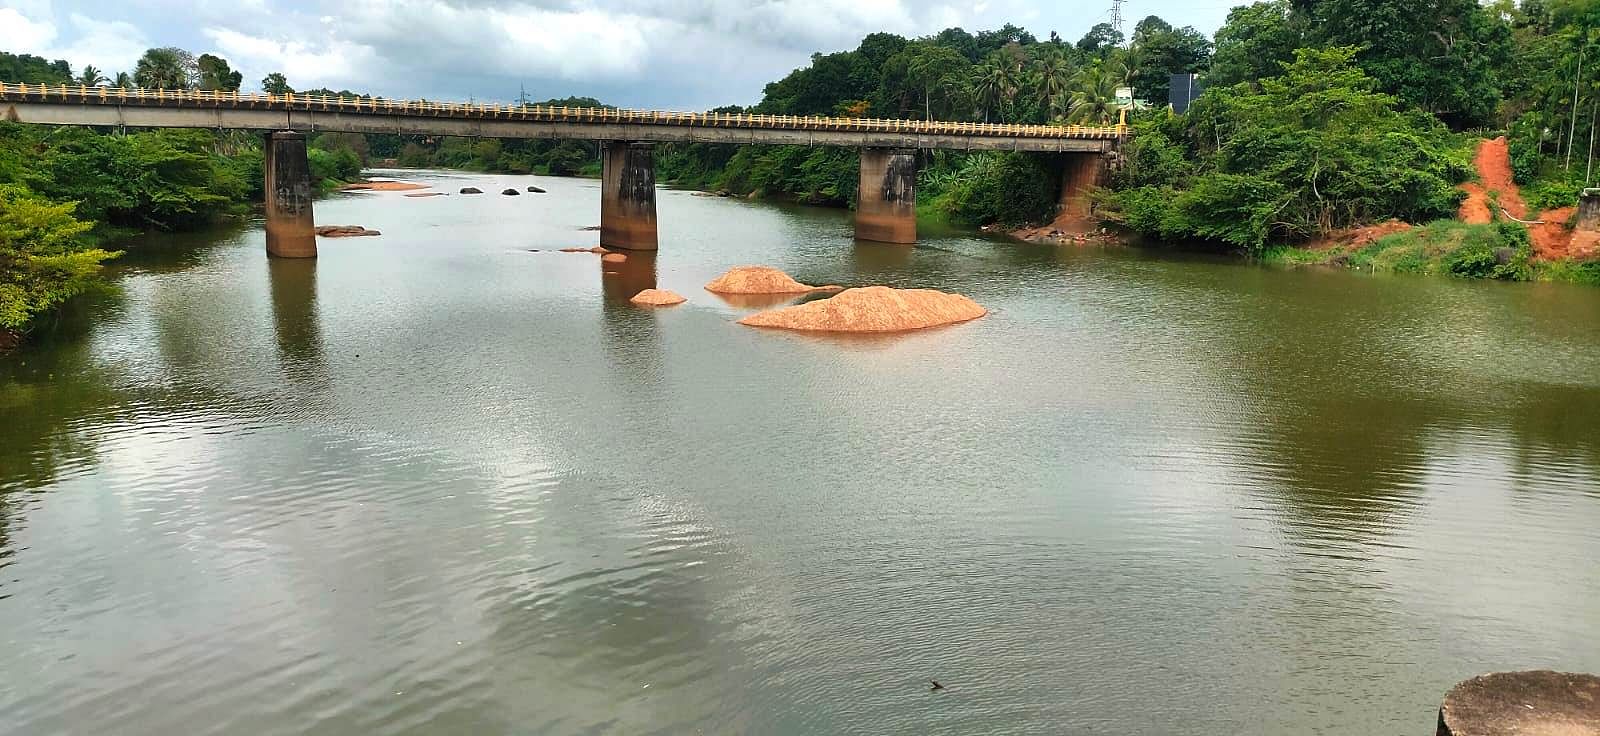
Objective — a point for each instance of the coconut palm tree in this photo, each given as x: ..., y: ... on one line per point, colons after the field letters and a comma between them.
x: 992, y: 85
x: 1093, y: 100
x: 91, y: 77
x: 123, y: 80
x: 1052, y: 76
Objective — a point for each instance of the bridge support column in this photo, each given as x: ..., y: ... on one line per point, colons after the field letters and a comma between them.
x: 291, y: 231
x: 1082, y: 173
x: 886, y: 202
x: 627, y: 195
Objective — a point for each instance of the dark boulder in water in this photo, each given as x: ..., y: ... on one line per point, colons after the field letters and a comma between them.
x: 535, y: 190
x: 512, y: 193
x: 471, y: 190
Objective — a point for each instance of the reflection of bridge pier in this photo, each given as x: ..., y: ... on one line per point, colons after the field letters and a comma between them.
x: 293, y: 287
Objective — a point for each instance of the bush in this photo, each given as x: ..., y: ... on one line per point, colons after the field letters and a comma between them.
x: 44, y: 257
x: 1500, y: 251
x: 986, y: 188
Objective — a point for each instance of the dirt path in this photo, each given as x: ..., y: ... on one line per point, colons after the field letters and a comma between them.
x: 1552, y: 237
x: 1493, y: 162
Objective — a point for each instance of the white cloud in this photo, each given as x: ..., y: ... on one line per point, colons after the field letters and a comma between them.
x: 111, y: 46
x: 19, y: 33
x: 327, y: 62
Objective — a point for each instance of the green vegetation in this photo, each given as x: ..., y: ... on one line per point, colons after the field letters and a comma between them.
x: 1290, y: 157
x: 45, y: 257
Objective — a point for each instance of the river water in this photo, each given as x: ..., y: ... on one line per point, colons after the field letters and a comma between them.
x: 434, y: 483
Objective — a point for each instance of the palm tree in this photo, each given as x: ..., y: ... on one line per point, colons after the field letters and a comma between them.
x: 124, y: 80
x: 1052, y: 76
x: 992, y: 85
x: 161, y: 69
x: 1093, y: 100
x: 91, y: 77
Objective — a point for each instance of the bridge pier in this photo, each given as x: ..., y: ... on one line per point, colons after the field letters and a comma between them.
x: 886, y: 201
x: 291, y: 230
x: 627, y: 195
x: 1080, y: 176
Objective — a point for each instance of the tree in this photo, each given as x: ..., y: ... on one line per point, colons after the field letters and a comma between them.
x: 993, y: 86
x: 939, y: 72
x: 276, y: 84
x: 1052, y: 79
x: 124, y: 80
x: 1440, y: 55
x: 1256, y: 41
x: 1093, y: 99
x: 91, y: 77
x: 163, y: 68
x: 30, y: 69
x: 1314, y: 149
x: 1161, y: 51
x: 1101, y: 39
x: 44, y: 258
x: 215, y: 74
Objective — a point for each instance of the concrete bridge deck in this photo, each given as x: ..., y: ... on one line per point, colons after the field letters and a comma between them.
x: 139, y: 108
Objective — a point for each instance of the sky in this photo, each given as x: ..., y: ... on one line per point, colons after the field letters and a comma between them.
x: 662, y: 54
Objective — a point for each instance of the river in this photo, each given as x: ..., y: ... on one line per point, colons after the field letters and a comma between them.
x: 434, y: 483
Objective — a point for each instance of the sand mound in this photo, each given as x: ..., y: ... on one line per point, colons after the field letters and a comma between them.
x: 382, y: 186
x: 344, y: 231
x: 760, y: 280
x: 613, y: 258
x: 872, y: 309
x: 657, y: 298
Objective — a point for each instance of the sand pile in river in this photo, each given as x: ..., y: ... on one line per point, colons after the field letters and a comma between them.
x: 872, y: 309
x: 760, y: 280
x: 382, y: 186
x: 657, y: 298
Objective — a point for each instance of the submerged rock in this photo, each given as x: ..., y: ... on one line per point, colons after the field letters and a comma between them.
x: 471, y: 190
x: 427, y: 194
x: 535, y: 190
x: 345, y: 231
x: 657, y: 298
x: 512, y: 193
x: 760, y: 280
x: 613, y: 258
x: 872, y: 309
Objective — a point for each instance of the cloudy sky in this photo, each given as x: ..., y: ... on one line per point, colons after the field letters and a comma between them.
x: 672, y: 54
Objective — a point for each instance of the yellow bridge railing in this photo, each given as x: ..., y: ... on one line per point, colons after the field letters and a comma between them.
x: 292, y: 102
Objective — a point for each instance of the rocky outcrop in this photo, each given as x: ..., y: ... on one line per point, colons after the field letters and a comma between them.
x: 512, y: 193
x: 345, y: 231
x: 471, y: 190
x: 760, y: 280
x: 613, y: 258
x: 535, y: 190
x: 657, y: 298
x: 876, y: 309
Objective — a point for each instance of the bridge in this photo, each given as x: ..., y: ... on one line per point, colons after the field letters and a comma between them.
x: 886, y: 200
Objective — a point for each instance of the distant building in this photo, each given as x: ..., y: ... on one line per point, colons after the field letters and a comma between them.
x: 1186, y: 88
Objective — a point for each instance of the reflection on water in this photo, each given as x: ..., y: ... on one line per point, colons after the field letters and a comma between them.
x: 434, y: 483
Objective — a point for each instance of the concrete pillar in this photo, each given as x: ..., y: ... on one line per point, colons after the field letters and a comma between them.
x: 886, y: 203
x: 291, y: 230
x: 1079, y: 177
x: 627, y: 196
x: 1589, y: 210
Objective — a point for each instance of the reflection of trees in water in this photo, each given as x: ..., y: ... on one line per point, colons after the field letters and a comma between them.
x: 1556, y: 424
x: 46, y: 389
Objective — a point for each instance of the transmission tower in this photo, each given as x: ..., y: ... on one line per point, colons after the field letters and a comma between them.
x: 1116, y: 14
